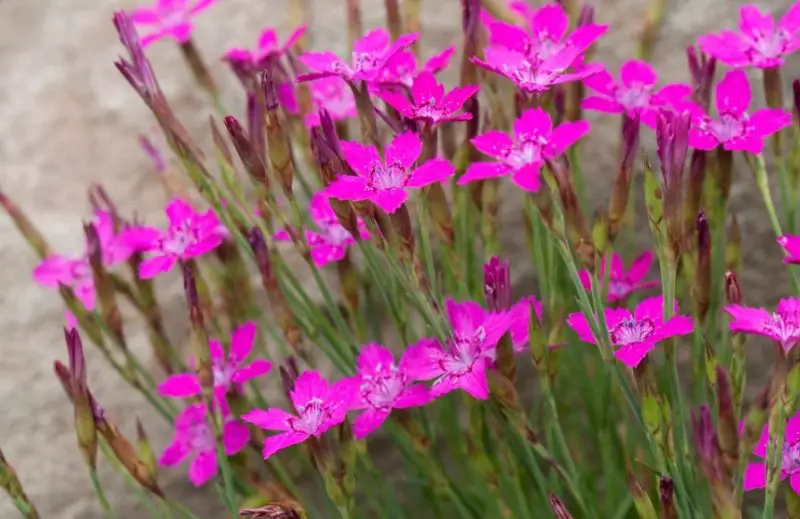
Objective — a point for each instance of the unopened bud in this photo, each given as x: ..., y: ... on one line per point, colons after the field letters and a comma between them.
x: 278, y: 144
x: 497, y: 284
x: 253, y: 163
x: 701, y: 290
x: 558, y: 507
x: 145, y: 450
x: 733, y: 291
x: 271, y: 511
x: 666, y: 494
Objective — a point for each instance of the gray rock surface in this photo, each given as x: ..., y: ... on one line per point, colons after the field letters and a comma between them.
x: 68, y: 119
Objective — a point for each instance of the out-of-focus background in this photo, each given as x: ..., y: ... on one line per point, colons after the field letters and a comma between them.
x: 68, y: 119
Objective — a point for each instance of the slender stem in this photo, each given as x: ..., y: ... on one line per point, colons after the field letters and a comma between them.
x: 101, y: 494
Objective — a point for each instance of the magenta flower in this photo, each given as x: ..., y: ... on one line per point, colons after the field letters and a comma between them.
x: 331, y: 241
x: 429, y: 101
x: 169, y: 19
x: 535, y: 141
x: 536, y: 76
x: 782, y: 326
x: 736, y: 130
x: 194, y: 438
x: 319, y: 406
x: 622, y: 283
x: 230, y: 371
x: 546, y: 36
x: 385, y: 183
x: 370, y: 55
x: 521, y: 321
x: 790, y: 244
x: 460, y: 363
x: 383, y: 386
x: 268, y: 49
x: 758, y: 43
x: 190, y: 234
x: 402, y: 68
x: 634, y: 336
x: 636, y: 95
x: 755, y: 475
x: 333, y: 95
x: 75, y: 272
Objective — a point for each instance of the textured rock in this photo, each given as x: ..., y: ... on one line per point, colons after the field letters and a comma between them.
x: 68, y: 119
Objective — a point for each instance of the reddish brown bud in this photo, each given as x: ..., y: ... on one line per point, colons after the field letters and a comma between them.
x: 253, y: 163
x: 733, y: 291
x: 278, y: 144
x: 666, y: 494
x: 701, y: 290
x: 558, y: 507
x: 272, y: 511
x: 497, y: 284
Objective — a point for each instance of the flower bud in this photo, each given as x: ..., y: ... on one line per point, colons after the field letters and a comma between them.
x: 733, y: 291
x: 559, y: 509
x: 672, y: 136
x: 701, y: 70
x: 272, y: 511
x: 85, y: 426
x: 253, y: 163
x: 497, y: 284
x: 666, y: 494
x: 145, y: 450
x: 471, y: 25
x: 199, y: 334
x: 701, y: 290
x: 278, y: 144
x: 106, y: 296
x: 25, y: 226
x: 728, y: 431
x: 796, y: 99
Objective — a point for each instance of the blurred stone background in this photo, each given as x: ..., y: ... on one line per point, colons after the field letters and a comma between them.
x: 67, y: 119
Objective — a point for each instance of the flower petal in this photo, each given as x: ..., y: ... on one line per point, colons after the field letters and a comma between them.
x: 602, y: 104
x: 637, y: 72
x: 363, y: 159
x: 532, y: 123
x: 493, y: 143
x: 282, y: 441
x: 235, y: 437
x: 203, y: 468
x: 431, y: 172
x: 324, y: 62
x: 257, y: 368
x: 174, y: 453
x: 766, y: 121
x: 733, y: 93
x: 242, y: 341
x: 181, y: 385
x: 151, y: 267
x: 577, y: 321
x: 348, y: 187
x: 426, y: 89
x: 404, y: 150
x: 482, y: 171
x: 528, y: 177
x: 565, y: 135
x: 368, y: 421
x: 640, y: 267
x: 413, y: 396
x: 272, y: 419
x: 632, y: 354
x: 755, y: 476
x: 422, y: 360
x: 510, y: 37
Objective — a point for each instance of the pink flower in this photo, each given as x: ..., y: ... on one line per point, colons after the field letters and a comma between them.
x: 319, y: 405
x: 331, y: 241
x: 622, y: 283
x: 736, y: 130
x: 402, y: 68
x: 194, y: 438
x: 230, y: 371
x: 532, y: 75
x: 76, y: 273
x: 169, y: 18
x: 759, y: 43
x: 268, y: 48
x: 429, y: 102
x: 370, y: 55
x: 755, y: 475
x: 521, y: 321
x: 190, y: 234
x: 383, y: 386
x: 546, y: 35
x: 385, y: 183
x: 535, y: 142
x: 634, y: 336
x: 783, y: 326
x: 460, y: 363
x: 790, y: 244
x: 333, y: 95
x: 636, y: 95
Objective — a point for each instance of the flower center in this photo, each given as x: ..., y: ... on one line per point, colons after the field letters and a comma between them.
x: 785, y: 326
x: 728, y: 127
x: 771, y: 45
x: 173, y: 14
x: 381, y: 389
x: 223, y: 373
x: 364, y: 61
x: 201, y: 438
x: 430, y: 109
x: 632, y: 331
x: 634, y: 98
x: 389, y: 176
x: 527, y: 152
x: 791, y: 458
x: 311, y: 417
x: 335, y: 234
x: 619, y: 288
x: 179, y: 239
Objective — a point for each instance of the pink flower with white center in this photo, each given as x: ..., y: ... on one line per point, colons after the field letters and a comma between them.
x: 429, y: 101
x: 333, y: 95
x: 230, y: 370
x: 535, y: 141
x: 755, y: 475
x: 190, y: 234
x: 460, y: 363
x: 169, y: 19
x: 758, y: 43
x: 521, y: 321
x: 386, y: 183
x: 194, y: 439
x: 735, y: 130
x: 319, y: 406
x: 370, y: 55
x: 546, y: 35
x: 402, y: 68
x: 268, y: 50
x: 75, y: 272
x: 791, y: 245
x: 782, y: 326
x: 622, y: 283
x: 536, y: 76
x: 636, y: 95
x: 330, y: 242
x: 635, y: 335
x: 383, y: 386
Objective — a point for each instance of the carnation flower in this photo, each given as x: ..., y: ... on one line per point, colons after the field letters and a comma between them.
x: 622, y: 283
x: 782, y: 326
x: 169, y: 19
x: 755, y: 475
